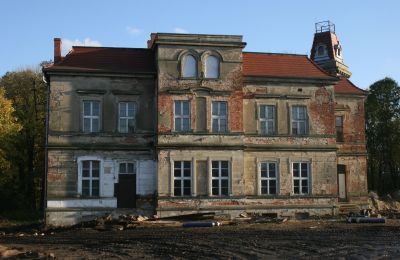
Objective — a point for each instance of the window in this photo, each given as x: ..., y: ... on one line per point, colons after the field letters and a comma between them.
x: 219, y: 117
x: 91, y: 116
x: 299, y: 120
x: 220, y: 178
x: 339, y: 129
x: 127, y: 111
x: 267, y: 119
x: 211, y: 67
x: 321, y: 50
x: 90, y: 178
x: 182, y: 178
x: 269, y: 180
x: 301, y: 178
x: 126, y: 168
x: 189, y: 66
x: 182, y: 116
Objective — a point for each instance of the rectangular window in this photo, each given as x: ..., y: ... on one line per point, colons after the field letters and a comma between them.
x: 269, y: 178
x: 339, y: 129
x: 301, y: 178
x: 91, y: 116
x: 90, y: 178
x: 126, y: 168
x: 299, y: 120
x: 182, y: 178
x: 182, y: 116
x: 267, y: 119
x: 219, y: 117
x: 127, y: 112
x: 220, y: 178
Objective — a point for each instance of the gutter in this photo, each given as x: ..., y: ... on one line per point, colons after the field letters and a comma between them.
x: 47, y: 82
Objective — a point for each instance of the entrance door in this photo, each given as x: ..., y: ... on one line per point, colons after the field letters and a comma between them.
x: 126, y: 196
x: 341, y: 170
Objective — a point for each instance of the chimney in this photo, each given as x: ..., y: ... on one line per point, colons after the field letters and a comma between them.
x: 151, y: 41
x: 57, y: 50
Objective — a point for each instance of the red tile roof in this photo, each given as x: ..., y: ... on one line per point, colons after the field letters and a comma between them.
x: 345, y: 86
x: 281, y: 65
x: 106, y: 59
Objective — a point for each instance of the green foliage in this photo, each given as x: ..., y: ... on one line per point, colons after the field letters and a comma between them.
x: 382, y: 109
x: 23, y: 165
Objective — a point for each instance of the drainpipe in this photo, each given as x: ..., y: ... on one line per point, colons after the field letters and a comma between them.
x: 46, y: 148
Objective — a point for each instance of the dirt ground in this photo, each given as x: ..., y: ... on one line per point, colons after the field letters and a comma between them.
x: 292, y: 239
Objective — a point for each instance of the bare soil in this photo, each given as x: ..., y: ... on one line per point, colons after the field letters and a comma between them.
x: 289, y: 240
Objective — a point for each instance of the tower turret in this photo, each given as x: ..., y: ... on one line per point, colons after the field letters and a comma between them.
x: 326, y: 50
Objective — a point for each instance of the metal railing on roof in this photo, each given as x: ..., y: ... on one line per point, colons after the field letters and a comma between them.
x: 324, y: 26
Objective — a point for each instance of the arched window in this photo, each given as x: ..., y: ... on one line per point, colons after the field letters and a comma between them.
x: 212, y: 67
x: 321, y: 50
x: 189, y: 67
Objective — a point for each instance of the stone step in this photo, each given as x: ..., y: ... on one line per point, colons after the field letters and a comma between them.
x: 346, y: 208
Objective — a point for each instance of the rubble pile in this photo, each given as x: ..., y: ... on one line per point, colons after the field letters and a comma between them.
x: 386, y: 206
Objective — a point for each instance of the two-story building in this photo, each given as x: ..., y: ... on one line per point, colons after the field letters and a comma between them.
x: 192, y: 123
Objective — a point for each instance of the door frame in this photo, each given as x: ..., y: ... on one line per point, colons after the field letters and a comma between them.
x: 342, y: 171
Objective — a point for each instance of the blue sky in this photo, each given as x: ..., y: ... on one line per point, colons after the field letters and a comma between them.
x: 369, y: 31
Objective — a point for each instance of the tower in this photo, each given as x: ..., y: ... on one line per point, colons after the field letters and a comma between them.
x: 326, y: 50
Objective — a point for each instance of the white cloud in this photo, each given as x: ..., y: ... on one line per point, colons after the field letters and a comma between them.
x: 180, y: 30
x: 67, y: 44
x: 133, y: 30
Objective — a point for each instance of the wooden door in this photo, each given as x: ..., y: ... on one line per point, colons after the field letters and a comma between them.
x: 126, y: 194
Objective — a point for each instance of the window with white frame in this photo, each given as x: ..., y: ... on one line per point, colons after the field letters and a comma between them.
x: 182, y: 178
x: 211, y: 67
x: 126, y: 168
x: 91, y: 116
x: 267, y: 119
x: 189, y: 66
x: 220, y: 178
x: 219, y: 116
x: 90, y: 178
x: 301, y: 177
x: 299, y: 120
x: 127, y: 112
x: 182, y: 116
x: 269, y: 178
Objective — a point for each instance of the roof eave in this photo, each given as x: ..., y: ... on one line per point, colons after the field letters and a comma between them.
x: 298, y: 80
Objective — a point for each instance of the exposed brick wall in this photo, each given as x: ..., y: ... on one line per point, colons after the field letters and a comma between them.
x: 321, y: 112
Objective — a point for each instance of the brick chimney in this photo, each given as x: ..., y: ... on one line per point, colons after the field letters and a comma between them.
x: 57, y: 50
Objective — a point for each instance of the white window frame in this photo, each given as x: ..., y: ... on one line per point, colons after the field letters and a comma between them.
x: 91, y: 117
x: 220, y: 178
x: 300, y: 178
x: 126, y: 118
x: 182, y: 178
x: 297, y: 121
x: 268, y: 178
x: 214, y: 72
x: 182, y: 116
x: 267, y: 121
x: 219, y: 117
x: 184, y: 72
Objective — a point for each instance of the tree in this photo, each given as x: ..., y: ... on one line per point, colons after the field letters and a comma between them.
x: 382, y: 110
x: 25, y: 153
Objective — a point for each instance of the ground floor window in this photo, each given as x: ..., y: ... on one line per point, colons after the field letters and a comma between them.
x: 301, y: 177
x: 182, y: 178
x: 90, y: 178
x: 269, y: 178
x: 126, y: 168
x: 220, y: 178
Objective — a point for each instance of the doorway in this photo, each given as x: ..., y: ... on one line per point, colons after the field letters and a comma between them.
x: 126, y: 195
x: 341, y: 171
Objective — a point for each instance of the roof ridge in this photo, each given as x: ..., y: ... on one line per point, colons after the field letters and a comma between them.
x: 351, y: 83
x: 106, y: 47
x: 276, y: 53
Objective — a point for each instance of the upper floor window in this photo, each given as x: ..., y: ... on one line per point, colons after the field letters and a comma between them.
x: 189, y: 66
x: 182, y: 116
x: 211, y: 67
x: 91, y: 116
x: 127, y: 111
x: 90, y: 178
x: 321, y: 50
x: 299, y: 120
x: 339, y: 129
x: 219, y: 116
x: 182, y: 178
x: 267, y: 119
x: 301, y: 178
